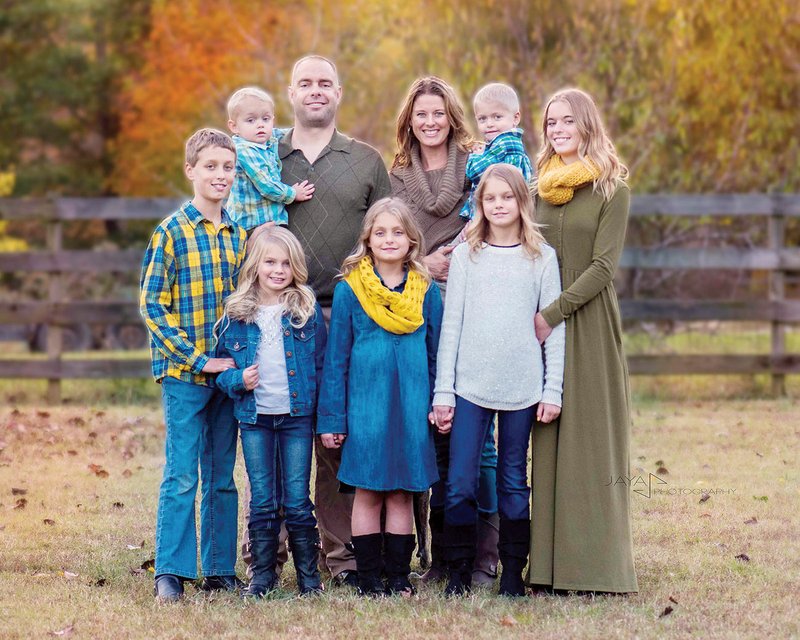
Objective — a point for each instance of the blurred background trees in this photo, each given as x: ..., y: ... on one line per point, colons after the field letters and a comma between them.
x: 97, y: 96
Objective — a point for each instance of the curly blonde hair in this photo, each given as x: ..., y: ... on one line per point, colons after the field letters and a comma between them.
x: 430, y: 86
x: 529, y: 235
x: 399, y: 210
x: 298, y: 298
x: 595, y: 144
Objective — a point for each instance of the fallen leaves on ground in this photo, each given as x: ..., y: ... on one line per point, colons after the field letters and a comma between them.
x: 49, y: 521
x: 705, y: 497
x: 15, y: 491
x: 666, y: 612
x: 743, y: 557
x: 66, y: 631
x: 98, y: 470
x: 752, y: 520
x: 145, y: 567
x: 508, y: 621
x: 21, y: 503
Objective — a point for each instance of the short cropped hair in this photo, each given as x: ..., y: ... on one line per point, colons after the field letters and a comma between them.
x: 240, y: 95
x: 204, y: 138
x: 498, y: 92
x: 314, y: 56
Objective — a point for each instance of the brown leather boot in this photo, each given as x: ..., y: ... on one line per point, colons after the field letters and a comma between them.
x: 485, y: 571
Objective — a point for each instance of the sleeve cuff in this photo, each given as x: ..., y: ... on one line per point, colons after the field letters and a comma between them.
x: 330, y: 424
x: 552, y: 315
x: 199, y: 362
x: 551, y: 397
x: 444, y: 399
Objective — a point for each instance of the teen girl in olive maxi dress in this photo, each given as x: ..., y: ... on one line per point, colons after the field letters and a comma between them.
x: 581, y: 534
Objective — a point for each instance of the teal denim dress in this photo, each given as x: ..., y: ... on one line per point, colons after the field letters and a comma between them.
x: 377, y: 388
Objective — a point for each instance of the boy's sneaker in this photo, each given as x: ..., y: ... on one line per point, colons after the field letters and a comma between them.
x: 168, y: 588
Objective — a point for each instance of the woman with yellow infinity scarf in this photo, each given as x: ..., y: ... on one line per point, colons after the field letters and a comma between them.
x: 377, y: 387
x: 581, y: 533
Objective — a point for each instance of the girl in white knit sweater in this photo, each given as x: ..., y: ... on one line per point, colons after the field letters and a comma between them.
x: 490, y: 363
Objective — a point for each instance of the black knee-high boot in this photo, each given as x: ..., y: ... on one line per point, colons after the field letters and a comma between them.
x: 368, y: 551
x: 515, y: 537
x: 264, y: 557
x: 459, y: 553
x: 437, y: 571
x: 399, y: 549
x: 305, y: 552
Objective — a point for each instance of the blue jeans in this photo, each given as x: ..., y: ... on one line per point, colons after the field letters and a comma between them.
x: 277, y: 453
x: 471, y: 423
x: 200, y: 427
x: 487, y: 483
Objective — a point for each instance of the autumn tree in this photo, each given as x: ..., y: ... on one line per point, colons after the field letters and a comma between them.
x: 61, y: 65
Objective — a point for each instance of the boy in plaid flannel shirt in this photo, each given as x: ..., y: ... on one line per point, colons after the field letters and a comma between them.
x: 258, y: 196
x: 496, y: 109
x: 189, y: 268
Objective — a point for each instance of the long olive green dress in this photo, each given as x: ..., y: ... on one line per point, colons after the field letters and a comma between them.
x: 580, y: 516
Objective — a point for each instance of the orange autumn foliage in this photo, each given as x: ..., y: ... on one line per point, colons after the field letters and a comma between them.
x: 196, y: 54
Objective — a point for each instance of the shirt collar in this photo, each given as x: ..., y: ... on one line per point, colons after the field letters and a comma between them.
x: 338, y: 142
x: 516, y: 132
x: 238, y: 140
x: 195, y: 217
x: 399, y: 288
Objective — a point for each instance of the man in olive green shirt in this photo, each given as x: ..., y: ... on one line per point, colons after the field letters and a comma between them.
x: 348, y: 176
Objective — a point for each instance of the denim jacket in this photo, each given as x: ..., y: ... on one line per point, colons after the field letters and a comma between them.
x: 304, y: 350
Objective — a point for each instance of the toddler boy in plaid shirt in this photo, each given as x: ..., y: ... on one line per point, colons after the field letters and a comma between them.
x: 258, y: 196
x: 189, y: 268
x: 496, y: 109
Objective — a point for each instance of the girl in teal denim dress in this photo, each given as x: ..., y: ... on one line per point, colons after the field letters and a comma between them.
x: 274, y: 331
x: 376, y: 389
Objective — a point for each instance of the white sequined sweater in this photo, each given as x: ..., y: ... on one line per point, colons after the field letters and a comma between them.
x: 488, y: 352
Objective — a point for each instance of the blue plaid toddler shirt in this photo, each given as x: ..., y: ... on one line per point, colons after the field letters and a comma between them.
x: 506, y: 148
x: 258, y: 195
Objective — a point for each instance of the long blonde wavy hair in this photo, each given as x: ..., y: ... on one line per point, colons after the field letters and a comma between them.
x: 298, y: 298
x: 529, y: 236
x: 430, y: 86
x: 595, y: 144
x: 399, y: 210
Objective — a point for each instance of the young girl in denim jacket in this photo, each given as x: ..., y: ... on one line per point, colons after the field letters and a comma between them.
x: 274, y: 331
x: 376, y: 390
x: 490, y: 363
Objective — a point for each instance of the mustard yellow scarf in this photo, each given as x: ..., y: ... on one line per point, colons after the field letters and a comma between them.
x: 396, y: 312
x: 558, y: 181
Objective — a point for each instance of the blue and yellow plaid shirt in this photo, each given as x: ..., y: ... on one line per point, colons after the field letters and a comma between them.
x: 189, y: 268
x: 505, y: 148
x: 258, y: 195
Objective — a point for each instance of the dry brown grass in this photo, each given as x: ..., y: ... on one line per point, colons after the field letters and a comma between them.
x: 76, y: 571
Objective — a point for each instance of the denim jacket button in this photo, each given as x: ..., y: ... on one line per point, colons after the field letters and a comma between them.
x: 286, y: 333
x: 291, y: 372
x: 288, y: 354
x: 294, y: 394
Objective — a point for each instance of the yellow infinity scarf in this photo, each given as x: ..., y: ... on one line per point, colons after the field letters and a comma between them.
x: 396, y: 312
x: 558, y: 181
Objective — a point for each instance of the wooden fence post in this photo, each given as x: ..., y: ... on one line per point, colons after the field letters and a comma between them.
x: 777, y: 292
x: 55, y: 338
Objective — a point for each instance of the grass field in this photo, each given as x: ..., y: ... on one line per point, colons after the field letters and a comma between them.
x: 78, y: 493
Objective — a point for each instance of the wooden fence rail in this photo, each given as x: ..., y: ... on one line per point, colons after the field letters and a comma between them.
x: 56, y: 312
